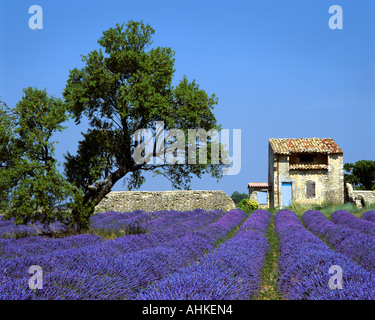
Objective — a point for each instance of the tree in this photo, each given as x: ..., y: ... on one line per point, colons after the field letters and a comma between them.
x: 6, y: 147
x: 361, y: 174
x: 237, y: 197
x: 127, y: 88
x: 30, y: 184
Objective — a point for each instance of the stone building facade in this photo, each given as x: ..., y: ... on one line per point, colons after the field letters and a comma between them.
x: 180, y: 200
x: 304, y: 171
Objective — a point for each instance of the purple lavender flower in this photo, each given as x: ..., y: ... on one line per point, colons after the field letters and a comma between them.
x: 356, y: 245
x: 305, y: 260
x: 369, y: 216
x: 231, y: 271
x: 346, y: 218
x: 108, y: 269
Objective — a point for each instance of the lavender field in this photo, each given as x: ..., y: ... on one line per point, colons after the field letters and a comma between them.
x: 195, y: 255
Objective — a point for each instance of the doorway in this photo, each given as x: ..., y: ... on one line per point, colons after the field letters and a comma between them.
x: 286, y: 189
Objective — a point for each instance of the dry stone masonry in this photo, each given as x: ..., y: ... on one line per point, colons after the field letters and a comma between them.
x: 361, y: 198
x: 184, y: 200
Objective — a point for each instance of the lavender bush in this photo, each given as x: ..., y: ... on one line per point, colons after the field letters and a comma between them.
x: 115, y: 222
x: 162, y: 230
x: 107, y: 271
x: 159, y: 231
x: 369, y: 216
x: 356, y: 245
x: 304, y: 264
x: 231, y: 271
x: 108, y: 221
x: 10, y: 230
x: 346, y: 218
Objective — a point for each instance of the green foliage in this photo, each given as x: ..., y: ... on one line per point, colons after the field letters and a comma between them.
x: 30, y: 184
x: 93, y: 159
x: 237, y: 197
x: 361, y: 174
x: 124, y: 86
x: 254, y: 205
x: 243, y: 203
x: 80, y: 211
x: 247, y: 205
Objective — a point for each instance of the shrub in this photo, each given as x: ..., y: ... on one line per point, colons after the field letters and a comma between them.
x: 254, y: 205
x: 246, y: 205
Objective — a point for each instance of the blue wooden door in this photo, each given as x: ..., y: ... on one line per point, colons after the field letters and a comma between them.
x: 286, y: 189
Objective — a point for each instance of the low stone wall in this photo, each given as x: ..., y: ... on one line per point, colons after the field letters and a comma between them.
x: 367, y: 196
x: 184, y: 200
x: 361, y: 198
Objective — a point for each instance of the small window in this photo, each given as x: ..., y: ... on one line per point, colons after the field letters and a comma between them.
x: 310, y: 189
x: 306, y: 158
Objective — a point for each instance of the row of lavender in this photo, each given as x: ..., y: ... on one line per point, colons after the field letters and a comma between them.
x: 346, y: 233
x: 160, y: 226
x: 113, y: 221
x: 109, y: 270
x: 365, y: 225
x: 230, y: 272
x: 33, y: 243
x: 306, y: 262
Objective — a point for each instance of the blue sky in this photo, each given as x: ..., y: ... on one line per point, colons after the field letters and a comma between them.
x: 277, y: 68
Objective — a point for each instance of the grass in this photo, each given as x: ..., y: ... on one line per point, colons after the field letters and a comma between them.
x: 270, y: 274
x: 328, y: 210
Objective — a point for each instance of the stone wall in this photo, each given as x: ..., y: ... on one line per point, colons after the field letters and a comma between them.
x: 361, y: 198
x: 184, y: 200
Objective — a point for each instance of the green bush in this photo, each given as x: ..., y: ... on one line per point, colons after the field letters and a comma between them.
x: 247, y: 205
x: 254, y: 205
x: 81, y: 213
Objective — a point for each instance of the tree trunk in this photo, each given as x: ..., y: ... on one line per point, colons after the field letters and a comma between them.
x: 97, y: 193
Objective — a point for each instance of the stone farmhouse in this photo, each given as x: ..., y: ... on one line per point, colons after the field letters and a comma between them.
x: 302, y: 171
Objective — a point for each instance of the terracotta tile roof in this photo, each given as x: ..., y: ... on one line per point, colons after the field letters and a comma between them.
x: 303, y: 166
x: 304, y: 145
x: 258, y: 185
